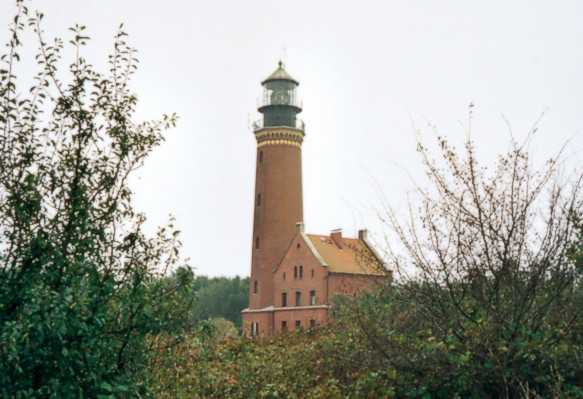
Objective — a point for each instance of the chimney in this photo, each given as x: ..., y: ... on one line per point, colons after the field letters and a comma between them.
x: 336, y: 236
x: 299, y: 228
x: 362, y: 234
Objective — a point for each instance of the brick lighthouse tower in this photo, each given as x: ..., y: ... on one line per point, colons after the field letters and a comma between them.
x: 278, y: 193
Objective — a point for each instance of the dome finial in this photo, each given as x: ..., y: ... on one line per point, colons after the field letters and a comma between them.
x: 280, y: 74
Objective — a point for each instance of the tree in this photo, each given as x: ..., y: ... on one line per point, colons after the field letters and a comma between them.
x: 222, y: 297
x: 488, y: 299
x: 83, y: 305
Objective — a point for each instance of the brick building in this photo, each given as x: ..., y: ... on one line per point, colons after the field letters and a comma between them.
x: 294, y: 275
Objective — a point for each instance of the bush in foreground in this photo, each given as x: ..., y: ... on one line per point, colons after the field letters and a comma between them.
x: 83, y: 302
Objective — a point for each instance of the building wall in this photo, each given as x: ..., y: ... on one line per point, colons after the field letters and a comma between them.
x: 300, y: 272
x: 263, y: 319
x: 298, y: 258
x: 279, y: 183
x: 306, y: 317
x: 353, y: 284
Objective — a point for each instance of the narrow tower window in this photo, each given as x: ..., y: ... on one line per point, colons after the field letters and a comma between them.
x: 257, y: 242
x: 284, y: 300
x: 255, y: 287
x: 258, y: 199
x: 260, y: 156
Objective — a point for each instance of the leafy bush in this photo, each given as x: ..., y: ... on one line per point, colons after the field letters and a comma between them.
x: 488, y: 300
x: 286, y: 366
x: 83, y: 301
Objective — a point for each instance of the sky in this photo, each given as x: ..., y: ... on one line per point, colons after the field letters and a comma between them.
x: 371, y: 73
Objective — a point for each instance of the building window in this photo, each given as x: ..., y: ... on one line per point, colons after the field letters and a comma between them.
x: 284, y: 300
x: 312, y: 323
x: 298, y: 272
x: 254, y: 329
x: 298, y: 323
x: 298, y: 245
x: 257, y: 242
x: 258, y: 199
x: 255, y: 287
x: 284, y: 325
x: 312, y: 273
x: 312, y: 298
x: 260, y: 156
x: 298, y: 298
x: 283, y: 276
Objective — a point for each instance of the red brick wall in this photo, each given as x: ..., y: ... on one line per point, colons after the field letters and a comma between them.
x: 279, y: 181
x: 352, y: 284
x: 304, y: 316
x: 297, y: 257
x: 264, y: 320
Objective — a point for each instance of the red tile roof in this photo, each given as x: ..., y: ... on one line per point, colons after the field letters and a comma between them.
x: 354, y: 257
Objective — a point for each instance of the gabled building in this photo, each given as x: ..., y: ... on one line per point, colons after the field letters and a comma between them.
x: 294, y: 275
x: 315, y: 268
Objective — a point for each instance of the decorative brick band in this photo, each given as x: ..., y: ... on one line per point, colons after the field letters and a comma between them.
x: 271, y: 309
x: 279, y: 142
x: 279, y: 136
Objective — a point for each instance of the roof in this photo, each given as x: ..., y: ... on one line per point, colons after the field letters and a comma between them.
x: 280, y: 74
x: 355, y: 257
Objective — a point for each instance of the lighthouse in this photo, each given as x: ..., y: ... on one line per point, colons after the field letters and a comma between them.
x: 278, y: 191
x: 295, y: 275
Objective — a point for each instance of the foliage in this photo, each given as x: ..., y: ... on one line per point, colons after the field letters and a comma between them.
x: 222, y: 297
x: 83, y: 304
x: 378, y: 346
x: 224, y: 328
x: 271, y: 367
x: 409, y: 356
x: 489, y: 270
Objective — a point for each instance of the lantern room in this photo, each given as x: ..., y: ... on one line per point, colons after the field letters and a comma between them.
x: 279, y: 104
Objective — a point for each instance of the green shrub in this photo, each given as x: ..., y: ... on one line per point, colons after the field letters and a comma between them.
x: 84, y: 304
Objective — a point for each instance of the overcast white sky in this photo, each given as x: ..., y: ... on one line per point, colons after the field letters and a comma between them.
x: 367, y: 70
